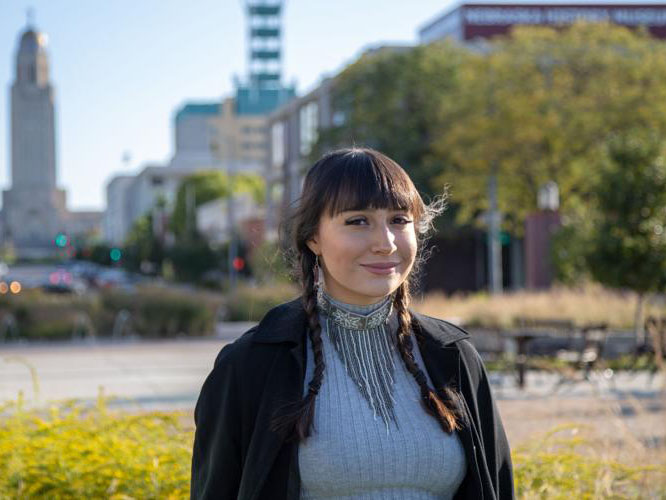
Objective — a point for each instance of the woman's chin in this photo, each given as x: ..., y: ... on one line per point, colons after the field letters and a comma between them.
x: 382, y: 290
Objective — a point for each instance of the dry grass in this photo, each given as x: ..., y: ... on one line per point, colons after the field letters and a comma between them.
x: 595, y: 448
x: 588, y: 303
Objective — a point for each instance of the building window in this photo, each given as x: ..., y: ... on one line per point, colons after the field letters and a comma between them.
x: 254, y: 130
x: 309, y: 124
x: 157, y: 181
x: 277, y: 144
x: 339, y: 118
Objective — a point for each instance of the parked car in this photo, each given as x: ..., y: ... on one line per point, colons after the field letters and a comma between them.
x: 63, y: 281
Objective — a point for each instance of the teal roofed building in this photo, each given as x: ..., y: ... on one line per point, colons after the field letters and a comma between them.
x: 197, y: 109
x: 194, y: 132
x: 256, y: 100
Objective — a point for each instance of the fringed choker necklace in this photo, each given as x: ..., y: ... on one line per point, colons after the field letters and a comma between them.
x: 365, y: 346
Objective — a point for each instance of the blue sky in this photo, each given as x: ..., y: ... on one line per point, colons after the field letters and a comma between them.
x: 121, y: 67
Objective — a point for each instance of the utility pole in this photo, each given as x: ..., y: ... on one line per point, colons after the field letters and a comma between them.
x: 190, y: 212
x: 494, y: 244
x: 231, y: 223
x: 494, y: 217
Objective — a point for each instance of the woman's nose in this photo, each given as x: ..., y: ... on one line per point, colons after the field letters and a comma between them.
x: 383, y: 240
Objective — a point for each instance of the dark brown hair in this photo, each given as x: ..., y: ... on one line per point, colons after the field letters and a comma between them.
x: 355, y: 179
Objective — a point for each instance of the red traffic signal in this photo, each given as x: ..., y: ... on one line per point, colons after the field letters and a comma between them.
x: 238, y: 263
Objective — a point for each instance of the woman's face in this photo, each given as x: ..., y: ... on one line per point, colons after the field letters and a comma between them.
x: 365, y: 254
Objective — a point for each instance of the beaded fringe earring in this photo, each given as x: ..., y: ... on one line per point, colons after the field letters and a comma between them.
x: 318, y: 275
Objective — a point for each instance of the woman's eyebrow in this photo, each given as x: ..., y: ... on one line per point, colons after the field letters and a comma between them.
x: 371, y: 210
x: 355, y: 211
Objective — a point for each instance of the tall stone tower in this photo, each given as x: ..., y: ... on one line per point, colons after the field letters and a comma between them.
x: 34, y: 208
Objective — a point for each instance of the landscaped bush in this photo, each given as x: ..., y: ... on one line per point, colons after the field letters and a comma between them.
x: 153, y: 312
x: 625, y: 363
x: 41, y: 316
x: 73, y: 452
x: 268, y: 264
x: 565, y: 464
x: 251, y: 303
x: 161, y: 312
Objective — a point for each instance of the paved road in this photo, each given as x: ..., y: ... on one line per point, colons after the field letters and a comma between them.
x: 146, y: 374
x: 169, y: 374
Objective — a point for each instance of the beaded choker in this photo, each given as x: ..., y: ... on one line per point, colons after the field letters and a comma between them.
x: 355, y: 320
x: 365, y: 345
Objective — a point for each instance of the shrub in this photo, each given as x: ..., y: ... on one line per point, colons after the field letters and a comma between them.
x: 154, y: 312
x: 49, y: 330
x: 159, y: 312
x: 41, y: 316
x: 71, y: 452
x: 268, y: 264
x: 564, y: 464
x: 249, y: 303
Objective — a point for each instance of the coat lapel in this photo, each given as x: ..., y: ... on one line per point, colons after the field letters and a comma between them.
x: 442, y: 360
x: 284, y: 384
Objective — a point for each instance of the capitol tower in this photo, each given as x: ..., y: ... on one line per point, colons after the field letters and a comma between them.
x: 34, y: 209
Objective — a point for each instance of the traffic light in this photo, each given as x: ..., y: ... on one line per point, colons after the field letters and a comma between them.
x: 61, y: 240
x: 115, y: 254
x: 238, y: 263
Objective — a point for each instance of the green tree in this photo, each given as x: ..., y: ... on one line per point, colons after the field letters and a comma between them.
x: 627, y: 243
x: 100, y: 254
x: 389, y: 101
x: 203, y: 187
x: 191, y: 259
x: 141, y: 245
x: 539, y: 106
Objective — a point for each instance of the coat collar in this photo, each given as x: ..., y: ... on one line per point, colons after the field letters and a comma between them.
x: 288, y: 323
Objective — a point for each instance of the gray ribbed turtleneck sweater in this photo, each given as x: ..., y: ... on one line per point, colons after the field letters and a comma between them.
x: 351, y: 456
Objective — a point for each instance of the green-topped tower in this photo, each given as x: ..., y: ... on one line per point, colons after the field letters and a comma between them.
x: 264, y: 90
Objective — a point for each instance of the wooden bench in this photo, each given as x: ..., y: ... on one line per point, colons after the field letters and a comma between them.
x: 581, y: 359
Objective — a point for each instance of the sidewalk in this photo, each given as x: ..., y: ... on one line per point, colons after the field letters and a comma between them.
x: 149, y: 374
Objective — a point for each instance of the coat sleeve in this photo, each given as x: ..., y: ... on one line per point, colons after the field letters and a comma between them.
x: 216, y: 457
x: 493, y: 438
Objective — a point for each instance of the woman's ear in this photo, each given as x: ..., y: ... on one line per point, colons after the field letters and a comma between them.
x: 313, y: 245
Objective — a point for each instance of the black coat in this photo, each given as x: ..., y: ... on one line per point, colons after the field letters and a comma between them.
x: 236, y: 455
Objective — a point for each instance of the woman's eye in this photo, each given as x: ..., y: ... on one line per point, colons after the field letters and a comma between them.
x: 355, y: 222
x: 402, y: 220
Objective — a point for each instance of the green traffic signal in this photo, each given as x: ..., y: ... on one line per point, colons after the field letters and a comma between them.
x: 61, y: 240
x: 115, y: 254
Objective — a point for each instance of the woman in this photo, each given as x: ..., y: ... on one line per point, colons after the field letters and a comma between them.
x: 345, y: 392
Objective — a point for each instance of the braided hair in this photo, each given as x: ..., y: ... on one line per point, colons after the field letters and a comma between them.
x: 445, y: 409
x: 351, y: 179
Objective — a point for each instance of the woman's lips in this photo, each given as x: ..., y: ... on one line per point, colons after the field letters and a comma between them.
x: 383, y: 268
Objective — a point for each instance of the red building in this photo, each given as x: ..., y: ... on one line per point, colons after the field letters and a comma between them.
x: 468, y: 21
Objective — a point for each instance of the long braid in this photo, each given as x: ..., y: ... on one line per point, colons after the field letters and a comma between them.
x: 443, y: 409
x: 299, y: 422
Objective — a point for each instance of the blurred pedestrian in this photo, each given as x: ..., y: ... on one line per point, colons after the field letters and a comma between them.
x: 345, y: 392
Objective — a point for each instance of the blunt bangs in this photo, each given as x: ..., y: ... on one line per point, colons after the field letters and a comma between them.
x: 361, y: 179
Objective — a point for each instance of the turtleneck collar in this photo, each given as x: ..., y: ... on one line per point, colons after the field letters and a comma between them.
x: 355, y: 317
x: 356, y: 308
